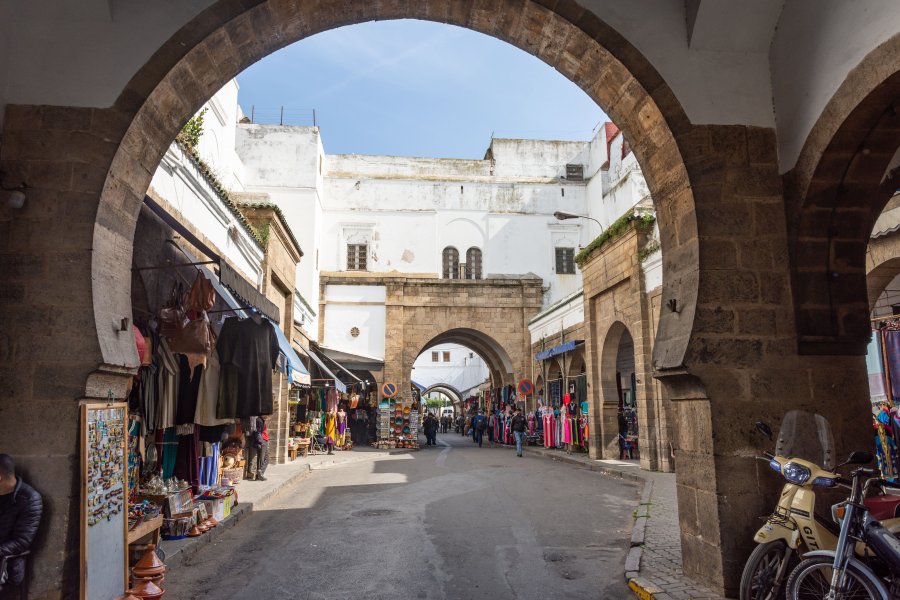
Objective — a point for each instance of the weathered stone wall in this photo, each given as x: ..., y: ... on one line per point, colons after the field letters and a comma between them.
x: 615, y: 302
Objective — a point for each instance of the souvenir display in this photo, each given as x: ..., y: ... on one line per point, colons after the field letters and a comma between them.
x: 105, y: 465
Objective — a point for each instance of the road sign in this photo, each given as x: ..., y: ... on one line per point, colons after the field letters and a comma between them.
x: 389, y: 390
x: 526, y: 388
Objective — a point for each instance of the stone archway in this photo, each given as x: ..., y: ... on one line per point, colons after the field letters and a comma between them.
x: 446, y: 389
x: 90, y: 168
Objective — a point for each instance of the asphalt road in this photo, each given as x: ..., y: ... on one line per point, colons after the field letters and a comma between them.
x: 452, y: 522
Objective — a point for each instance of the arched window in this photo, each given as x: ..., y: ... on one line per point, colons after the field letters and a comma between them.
x: 473, y: 263
x: 450, y: 263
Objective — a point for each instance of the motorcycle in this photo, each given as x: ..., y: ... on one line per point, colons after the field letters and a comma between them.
x: 849, y: 572
x: 794, y: 528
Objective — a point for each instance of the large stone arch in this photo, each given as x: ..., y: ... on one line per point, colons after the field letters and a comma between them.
x: 89, y: 168
x: 835, y: 193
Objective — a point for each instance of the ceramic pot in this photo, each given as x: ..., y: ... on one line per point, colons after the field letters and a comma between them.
x: 147, y: 590
x: 149, y: 565
x: 194, y: 532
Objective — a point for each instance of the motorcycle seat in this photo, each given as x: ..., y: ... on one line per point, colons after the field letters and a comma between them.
x: 883, y: 507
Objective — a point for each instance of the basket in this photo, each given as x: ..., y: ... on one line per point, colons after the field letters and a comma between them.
x: 235, y: 475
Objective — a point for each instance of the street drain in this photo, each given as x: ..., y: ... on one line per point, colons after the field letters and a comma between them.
x: 375, y: 512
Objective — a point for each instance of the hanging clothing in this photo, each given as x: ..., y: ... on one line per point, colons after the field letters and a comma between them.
x: 330, y: 427
x: 188, y: 388
x: 167, y: 385
x: 208, y: 394
x: 248, y: 352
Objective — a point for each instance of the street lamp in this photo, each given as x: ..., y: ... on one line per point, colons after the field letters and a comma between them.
x: 564, y: 216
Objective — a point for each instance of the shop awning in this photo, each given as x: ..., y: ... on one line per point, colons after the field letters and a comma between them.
x: 418, y: 385
x: 557, y: 350
x: 338, y: 365
x: 338, y: 384
x: 228, y: 276
x: 349, y: 360
x: 296, y: 371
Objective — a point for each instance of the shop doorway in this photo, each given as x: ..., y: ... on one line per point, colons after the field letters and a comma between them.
x: 621, y: 401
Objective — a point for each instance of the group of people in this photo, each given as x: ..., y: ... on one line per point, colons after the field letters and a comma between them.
x: 478, y: 424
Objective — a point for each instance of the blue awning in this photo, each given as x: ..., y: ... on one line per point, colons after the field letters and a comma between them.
x: 296, y: 371
x: 419, y: 385
x: 557, y: 350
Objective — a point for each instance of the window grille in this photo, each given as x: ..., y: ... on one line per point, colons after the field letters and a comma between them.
x: 434, y: 357
x: 565, y: 261
x: 473, y: 263
x: 450, y: 268
x: 356, y: 257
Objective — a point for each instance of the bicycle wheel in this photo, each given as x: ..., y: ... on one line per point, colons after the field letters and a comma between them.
x: 758, y: 579
x: 811, y: 580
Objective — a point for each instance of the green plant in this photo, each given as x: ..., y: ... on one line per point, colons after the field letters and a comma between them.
x: 645, y: 252
x: 190, y: 134
x: 642, y: 222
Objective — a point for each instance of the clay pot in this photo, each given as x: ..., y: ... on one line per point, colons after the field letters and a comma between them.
x: 194, y: 532
x: 149, y: 565
x: 202, y: 526
x: 127, y: 597
x: 147, y: 590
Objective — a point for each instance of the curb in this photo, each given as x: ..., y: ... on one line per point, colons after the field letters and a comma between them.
x: 643, y: 588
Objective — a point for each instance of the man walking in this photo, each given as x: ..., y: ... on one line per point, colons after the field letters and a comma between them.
x: 517, y: 425
x: 430, y: 427
x: 20, y: 514
x: 479, y: 425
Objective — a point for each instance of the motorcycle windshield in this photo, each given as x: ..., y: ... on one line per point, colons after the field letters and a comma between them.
x: 806, y: 436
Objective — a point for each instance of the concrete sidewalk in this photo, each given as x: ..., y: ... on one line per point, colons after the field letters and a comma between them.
x: 653, y: 568
x: 257, y: 494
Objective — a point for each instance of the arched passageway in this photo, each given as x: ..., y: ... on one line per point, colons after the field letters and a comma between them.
x: 736, y: 300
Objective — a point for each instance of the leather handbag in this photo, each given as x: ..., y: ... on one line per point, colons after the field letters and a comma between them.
x: 172, y: 317
x: 202, y: 296
x: 193, y: 338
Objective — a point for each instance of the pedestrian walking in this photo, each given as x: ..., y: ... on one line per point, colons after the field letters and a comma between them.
x: 479, y: 424
x: 492, y: 420
x: 517, y: 425
x: 430, y: 427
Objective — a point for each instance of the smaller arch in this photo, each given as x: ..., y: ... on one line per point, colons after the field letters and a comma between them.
x: 447, y: 390
x: 473, y: 263
x: 497, y: 359
x: 880, y: 277
x: 450, y: 263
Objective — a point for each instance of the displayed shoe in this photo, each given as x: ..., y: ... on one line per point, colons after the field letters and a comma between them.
x: 260, y: 478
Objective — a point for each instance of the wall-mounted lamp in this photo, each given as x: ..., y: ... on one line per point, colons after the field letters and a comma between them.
x: 564, y: 216
x: 16, y: 198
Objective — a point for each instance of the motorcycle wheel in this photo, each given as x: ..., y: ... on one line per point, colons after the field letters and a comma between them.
x: 812, y: 579
x: 758, y: 578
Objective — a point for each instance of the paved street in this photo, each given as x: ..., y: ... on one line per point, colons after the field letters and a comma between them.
x: 452, y: 522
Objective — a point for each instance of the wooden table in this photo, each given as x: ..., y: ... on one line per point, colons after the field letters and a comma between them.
x: 146, y: 528
x: 294, y: 450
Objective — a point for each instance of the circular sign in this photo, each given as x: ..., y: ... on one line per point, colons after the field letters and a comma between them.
x: 389, y: 390
x: 526, y: 388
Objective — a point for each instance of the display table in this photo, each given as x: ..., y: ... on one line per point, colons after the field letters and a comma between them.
x: 146, y: 528
x: 302, y: 445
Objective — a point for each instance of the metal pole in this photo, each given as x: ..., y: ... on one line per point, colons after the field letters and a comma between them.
x: 314, y: 117
x: 281, y: 119
x: 253, y: 113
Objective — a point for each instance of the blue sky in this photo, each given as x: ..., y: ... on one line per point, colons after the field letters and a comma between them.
x: 415, y: 88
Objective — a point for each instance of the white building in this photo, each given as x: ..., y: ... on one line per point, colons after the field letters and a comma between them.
x: 429, y: 216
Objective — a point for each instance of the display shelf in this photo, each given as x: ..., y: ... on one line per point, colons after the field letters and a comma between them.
x: 145, y: 528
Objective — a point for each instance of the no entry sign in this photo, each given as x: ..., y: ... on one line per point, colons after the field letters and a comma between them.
x: 526, y: 388
x: 389, y: 390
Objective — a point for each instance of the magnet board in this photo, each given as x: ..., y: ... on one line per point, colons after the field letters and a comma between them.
x: 104, y: 504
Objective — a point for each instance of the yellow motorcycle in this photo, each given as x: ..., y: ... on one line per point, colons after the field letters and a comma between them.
x: 804, y: 457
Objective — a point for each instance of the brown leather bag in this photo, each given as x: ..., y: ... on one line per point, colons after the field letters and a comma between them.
x: 172, y: 317
x: 202, y: 295
x: 193, y: 338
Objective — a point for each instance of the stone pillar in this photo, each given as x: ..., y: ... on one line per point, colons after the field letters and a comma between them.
x: 742, y: 363
x: 50, y: 357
